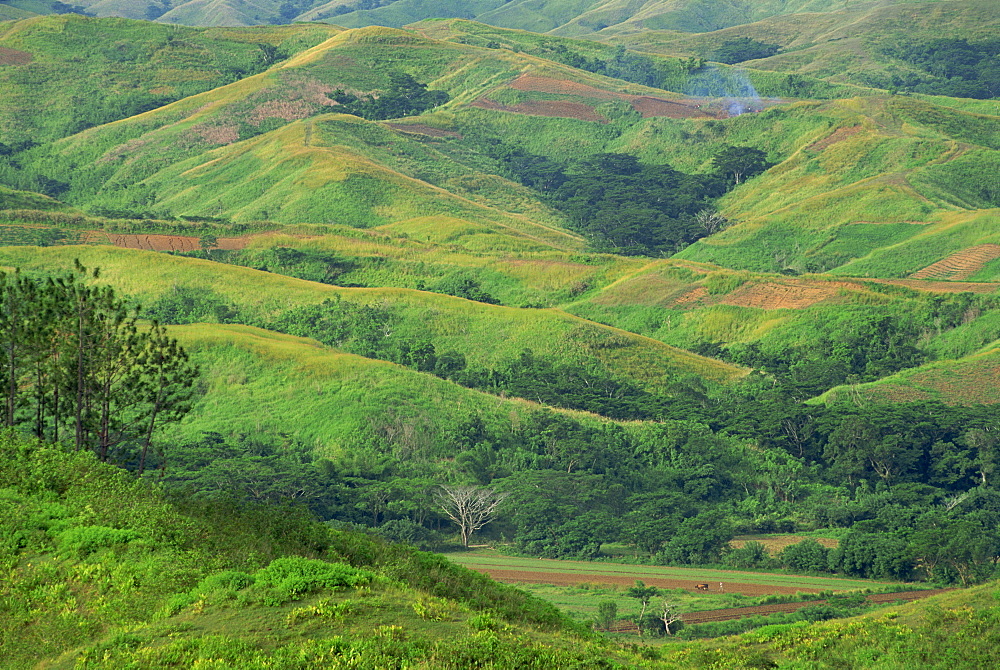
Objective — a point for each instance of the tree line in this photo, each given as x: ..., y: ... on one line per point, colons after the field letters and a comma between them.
x: 78, y: 366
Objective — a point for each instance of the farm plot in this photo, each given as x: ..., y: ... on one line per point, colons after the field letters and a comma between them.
x: 516, y: 570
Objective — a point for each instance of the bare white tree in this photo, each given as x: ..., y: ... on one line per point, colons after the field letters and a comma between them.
x: 668, y: 615
x: 471, y: 507
x: 711, y: 221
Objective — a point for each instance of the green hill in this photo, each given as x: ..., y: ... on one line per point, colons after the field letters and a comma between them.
x: 63, y: 74
x: 104, y: 570
x: 485, y: 334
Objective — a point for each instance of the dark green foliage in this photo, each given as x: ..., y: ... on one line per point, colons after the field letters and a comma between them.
x: 951, y: 66
x: 740, y: 163
x: 78, y: 367
x: 186, y: 304
x: 805, y: 556
x: 743, y: 48
x: 463, y: 286
x: 405, y: 96
x: 310, y: 264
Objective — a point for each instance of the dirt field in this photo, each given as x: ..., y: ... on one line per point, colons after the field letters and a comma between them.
x: 784, y: 294
x: 159, y: 242
x: 573, y: 579
x: 14, y: 57
x: 560, y: 108
x: 960, y: 265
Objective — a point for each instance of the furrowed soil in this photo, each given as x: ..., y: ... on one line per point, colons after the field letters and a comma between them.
x: 160, y: 242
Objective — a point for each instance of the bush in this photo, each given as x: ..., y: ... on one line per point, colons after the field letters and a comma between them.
x: 85, y: 540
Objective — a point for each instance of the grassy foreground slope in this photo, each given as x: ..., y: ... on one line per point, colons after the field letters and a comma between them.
x: 104, y: 571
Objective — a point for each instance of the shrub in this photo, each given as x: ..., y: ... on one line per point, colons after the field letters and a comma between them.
x: 85, y: 540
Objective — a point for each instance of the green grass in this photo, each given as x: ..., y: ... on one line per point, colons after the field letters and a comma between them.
x: 486, y: 559
x: 88, y: 70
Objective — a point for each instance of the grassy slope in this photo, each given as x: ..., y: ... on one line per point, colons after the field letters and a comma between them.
x: 880, y: 161
x: 144, y: 61
x: 970, y: 380
x: 267, y: 383
x: 486, y: 334
x: 685, y: 304
x: 835, y: 45
x: 187, y: 156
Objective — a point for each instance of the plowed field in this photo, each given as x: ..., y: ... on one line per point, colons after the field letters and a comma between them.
x: 960, y: 265
x: 159, y: 242
x: 647, y: 106
x: 566, y: 109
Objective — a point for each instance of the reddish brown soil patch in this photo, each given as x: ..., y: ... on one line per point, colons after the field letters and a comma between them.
x: 787, y: 294
x: 839, y: 135
x: 960, y: 265
x: 159, y: 242
x: 421, y: 129
x: 647, y: 106
x: 694, y: 295
x: 574, y: 578
x: 14, y: 57
x: 530, y: 82
x: 657, y: 107
x: 560, y: 108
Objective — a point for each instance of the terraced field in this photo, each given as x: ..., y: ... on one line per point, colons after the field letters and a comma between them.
x: 960, y: 265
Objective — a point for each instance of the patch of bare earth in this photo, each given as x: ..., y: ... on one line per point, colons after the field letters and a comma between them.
x: 159, y: 242
x: 421, y: 129
x: 560, y: 108
x: 960, y: 265
x: 14, y: 57
x: 839, y: 135
x: 647, y: 106
x: 785, y: 294
x: 575, y: 578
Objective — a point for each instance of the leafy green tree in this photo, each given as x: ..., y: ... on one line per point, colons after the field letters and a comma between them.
x: 805, y: 556
x: 607, y: 614
x: 740, y: 163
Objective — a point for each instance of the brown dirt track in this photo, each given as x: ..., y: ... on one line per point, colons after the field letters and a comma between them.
x: 573, y: 579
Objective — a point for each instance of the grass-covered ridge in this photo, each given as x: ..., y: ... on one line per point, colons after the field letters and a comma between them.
x: 484, y: 333
x: 50, y: 92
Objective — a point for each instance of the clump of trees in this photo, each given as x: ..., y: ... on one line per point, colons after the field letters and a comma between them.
x: 78, y: 367
x: 742, y: 49
x: 627, y: 207
x: 404, y: 96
